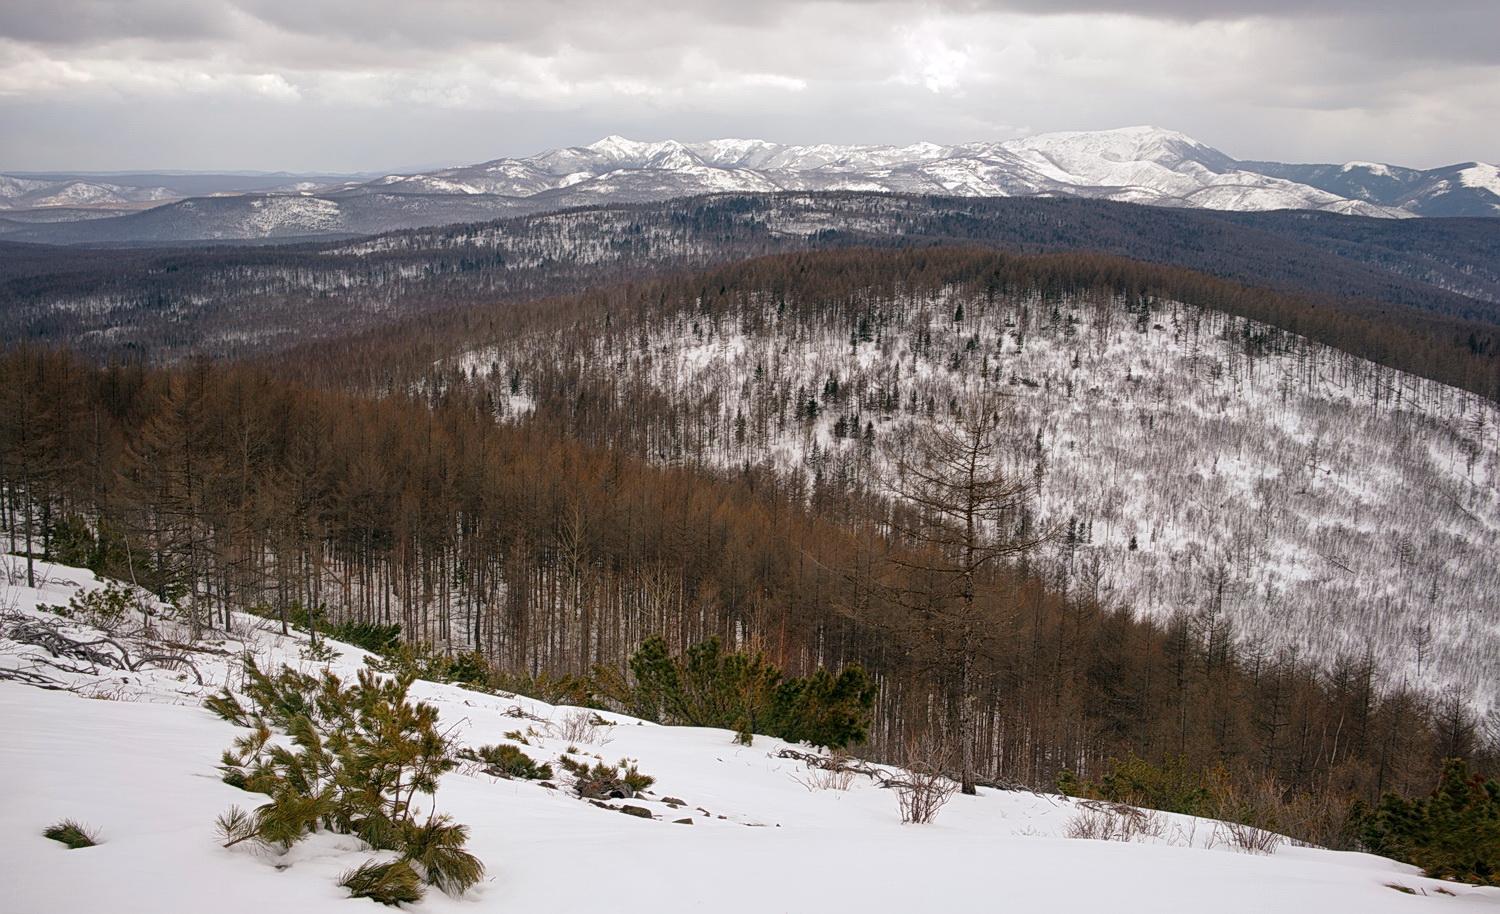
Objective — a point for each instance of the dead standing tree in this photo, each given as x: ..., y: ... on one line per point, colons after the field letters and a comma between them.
x: 962, y: 510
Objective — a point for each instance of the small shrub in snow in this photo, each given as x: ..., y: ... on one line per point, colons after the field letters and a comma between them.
x: 921, y: 795
x: 1453, y: 833
x: 505, y: 760
x: 1255, y: 811
x: 544, y: 686
x: 360, y: 755
x: 105, y: 609
x: 922, y: 789
x: 836, y: 775
x: 708, y: 686
x: 1248, y: 838
x: 320, y: 652
x: 418, y: 661
x: 834, y: 771
x: 1171, y: 786
x: 607, y: 782
x: 73, y: 834
x: 373, y: 637
x: 388, y: 883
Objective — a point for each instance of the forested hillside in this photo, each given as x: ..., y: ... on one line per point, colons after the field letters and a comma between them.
x: 1273, y: 492
x: 614, y: 513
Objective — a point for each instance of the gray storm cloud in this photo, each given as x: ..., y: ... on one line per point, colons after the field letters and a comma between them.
x: 332, y: 84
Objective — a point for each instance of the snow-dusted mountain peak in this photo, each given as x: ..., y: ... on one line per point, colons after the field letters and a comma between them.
x: 1374, y: 168
x: 625, y: 153
x: 1097, y: 155
x: 1121, y: 144
x: 1482, y: 176
x: 1141, y: 164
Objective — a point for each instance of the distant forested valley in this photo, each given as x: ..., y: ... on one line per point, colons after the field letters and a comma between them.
x: 1437, y: 279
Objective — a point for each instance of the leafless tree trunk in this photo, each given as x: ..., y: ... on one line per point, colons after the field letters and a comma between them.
x: 962, y: 507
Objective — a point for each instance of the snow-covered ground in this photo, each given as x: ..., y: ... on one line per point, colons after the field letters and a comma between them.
x: 133, y: 755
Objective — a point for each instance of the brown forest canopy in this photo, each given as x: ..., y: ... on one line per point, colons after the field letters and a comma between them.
x: 227, y: 487
x: 403, y: 353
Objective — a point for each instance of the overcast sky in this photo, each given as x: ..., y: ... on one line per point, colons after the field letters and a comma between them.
x: 381, y: 85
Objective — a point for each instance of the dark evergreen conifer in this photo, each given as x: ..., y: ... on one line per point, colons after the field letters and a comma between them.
x: 1454, y: 833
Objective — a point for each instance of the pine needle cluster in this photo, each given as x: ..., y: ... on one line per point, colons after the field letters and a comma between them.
x: 507, y: 761
x: 602, y: 781
x: 388, y: 883
x: 355, y: 759
x: 105, y: 608
x: 71, y: 833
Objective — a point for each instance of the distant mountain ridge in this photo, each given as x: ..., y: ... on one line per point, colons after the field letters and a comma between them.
x: 1468, y: 189
x: 1135, y: 164
x: 44, y: 190
x: 1147, y: 165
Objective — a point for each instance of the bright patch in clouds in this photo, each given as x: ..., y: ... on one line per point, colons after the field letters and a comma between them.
x: 932, y: 61
x: 1281, y: 83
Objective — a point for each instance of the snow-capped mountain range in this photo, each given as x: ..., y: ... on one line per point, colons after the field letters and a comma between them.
x: 1134, y: 164
x: 1146, y: 165
x: 33, y: 193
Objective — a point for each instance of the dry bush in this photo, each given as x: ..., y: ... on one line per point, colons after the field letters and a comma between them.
x: 923, y: 789
x: 835, y: 771
x: 1098, y: 821
x: 1257, y: 815
x: 583, y: 726
x: 834, y: 777
x: 1248, y: 838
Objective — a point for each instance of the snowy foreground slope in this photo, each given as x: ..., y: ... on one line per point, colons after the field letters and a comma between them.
x: 133, y: 755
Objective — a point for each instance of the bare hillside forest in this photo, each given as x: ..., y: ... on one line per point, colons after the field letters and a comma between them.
x: 1192, y: 463
x: 1066, y: 509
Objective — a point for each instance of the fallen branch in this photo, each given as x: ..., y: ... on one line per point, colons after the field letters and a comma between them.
x: 32, y: 678
x: 36, y: 633
x: 834, y: 763
x: 521, y: 713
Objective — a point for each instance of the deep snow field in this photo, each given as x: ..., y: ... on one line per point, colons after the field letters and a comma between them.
x: 133, y: 755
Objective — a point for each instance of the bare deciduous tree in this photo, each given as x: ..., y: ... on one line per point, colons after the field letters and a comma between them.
x: 962, y: 507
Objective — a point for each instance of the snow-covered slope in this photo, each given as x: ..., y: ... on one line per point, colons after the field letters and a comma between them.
x: 1322, y: 506
x: 32, y: 193
x: 1468, y: 189
x: 133, y: 755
